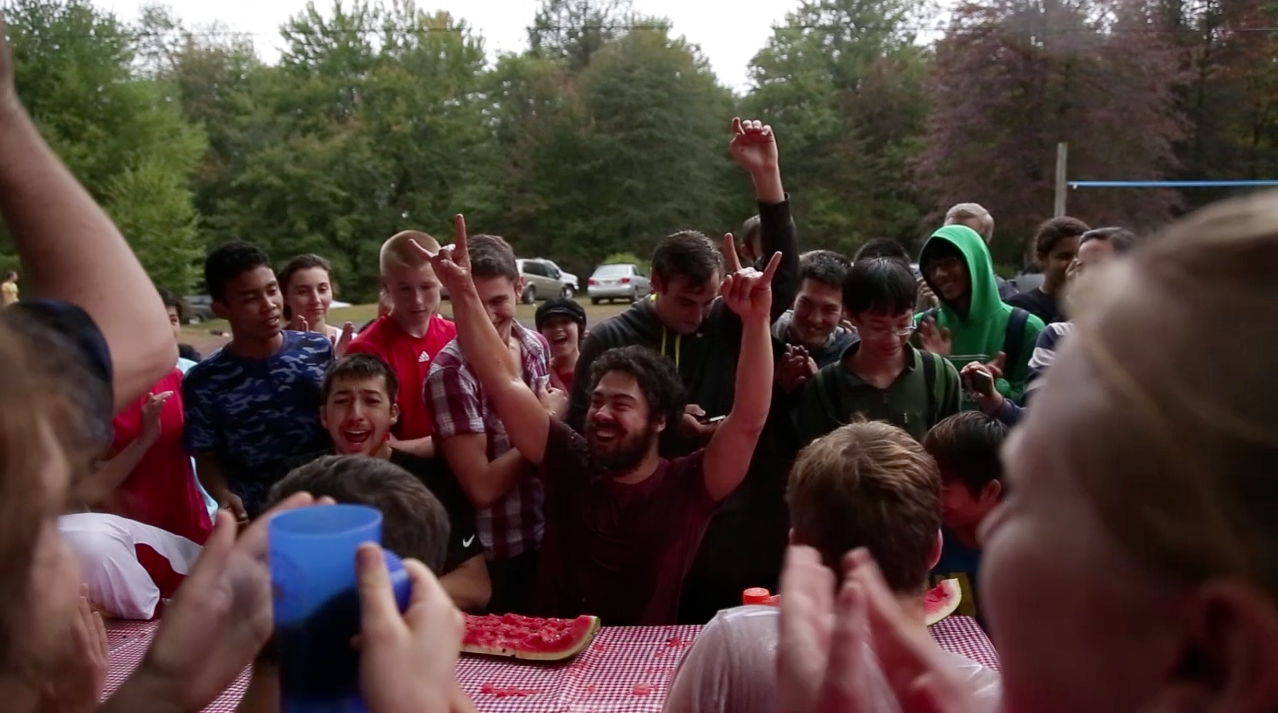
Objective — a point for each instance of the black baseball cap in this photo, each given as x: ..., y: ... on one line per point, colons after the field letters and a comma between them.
x: 560, y: 305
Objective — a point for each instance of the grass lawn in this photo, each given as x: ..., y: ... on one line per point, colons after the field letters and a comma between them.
x: 202, y: 337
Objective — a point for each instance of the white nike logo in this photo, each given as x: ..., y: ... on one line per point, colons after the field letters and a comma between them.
x: 466, y: 542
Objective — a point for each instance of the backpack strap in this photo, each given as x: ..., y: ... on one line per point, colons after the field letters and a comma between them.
x: 929, y: 381
x: 1014, y: 338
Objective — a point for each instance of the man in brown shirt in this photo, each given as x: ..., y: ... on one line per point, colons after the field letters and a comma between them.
x: 622, y: 524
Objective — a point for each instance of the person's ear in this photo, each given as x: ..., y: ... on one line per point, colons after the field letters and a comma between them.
x: 1229, y: 654
x: 394, y: 413
x: 656, y: 285
x: 935, y: 555
x: 661, y: 424
x: 992, y: 493
x: 219, y: 309
x: 324, y: 417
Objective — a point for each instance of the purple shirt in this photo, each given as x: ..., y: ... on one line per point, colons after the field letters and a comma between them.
x: 618, y: 551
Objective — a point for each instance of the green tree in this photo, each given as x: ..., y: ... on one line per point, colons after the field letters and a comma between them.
x: 574, y: 30
x: 121, y: 134
x: 657, y: 143
x: 843, y: 81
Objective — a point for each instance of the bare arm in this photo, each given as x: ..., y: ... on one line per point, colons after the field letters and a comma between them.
x: 109, y: 475
x: 71, y: 251
x: 484, y: 481
x: 490, y: 359
x: 469, y: 585
x: 420, y: 447
x: 731, y: 448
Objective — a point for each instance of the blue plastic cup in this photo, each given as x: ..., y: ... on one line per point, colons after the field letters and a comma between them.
x: 315, y: 597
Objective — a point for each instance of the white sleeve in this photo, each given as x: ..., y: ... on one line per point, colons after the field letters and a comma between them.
x: 105, y: 547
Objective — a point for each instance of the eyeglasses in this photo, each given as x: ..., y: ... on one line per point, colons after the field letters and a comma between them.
x: 900, y: 333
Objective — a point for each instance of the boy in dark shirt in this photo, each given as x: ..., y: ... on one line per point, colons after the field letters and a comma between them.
x: 1056, y: 244
x: 966, y: 448
x: 623, y: 524
x: 360, y: 394
x: 253, y: 405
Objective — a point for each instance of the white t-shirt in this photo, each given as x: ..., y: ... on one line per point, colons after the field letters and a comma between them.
x: 106, y: 546
x: 732, y: 668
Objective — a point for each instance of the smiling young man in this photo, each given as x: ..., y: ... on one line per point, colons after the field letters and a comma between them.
x: 972, y: 323
x: 813, y: 323
x: 473, y: 438
x: 359, y: 412
x: 682, y: 319
x: 881, y: 377
x: 623, y: 523
x: 410, y: 336
x: 254, y: 404
x: 1056, y: 244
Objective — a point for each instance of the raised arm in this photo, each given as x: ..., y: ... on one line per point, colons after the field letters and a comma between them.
x: 526, y: 420
x: 749, y: 294
x: 72, y: 252
x: 754, y: 148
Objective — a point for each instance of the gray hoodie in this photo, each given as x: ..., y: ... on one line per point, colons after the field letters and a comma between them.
x: 841, y: 338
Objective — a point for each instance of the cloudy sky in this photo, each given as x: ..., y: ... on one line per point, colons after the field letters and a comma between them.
x: 728, y: 31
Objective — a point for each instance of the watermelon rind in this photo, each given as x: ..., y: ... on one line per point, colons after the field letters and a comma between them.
x: 583, y: 630
x: 942, y: 600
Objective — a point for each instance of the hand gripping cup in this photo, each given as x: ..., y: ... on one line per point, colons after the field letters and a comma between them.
x: 315, y: 598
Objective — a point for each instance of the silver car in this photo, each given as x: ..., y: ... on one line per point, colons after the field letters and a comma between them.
x: 569, y: 280
x: 542, y: 280
x: 617, y: 282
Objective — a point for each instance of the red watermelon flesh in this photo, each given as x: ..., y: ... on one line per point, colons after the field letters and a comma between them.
x: 528, y: 637
x: 941, y: 601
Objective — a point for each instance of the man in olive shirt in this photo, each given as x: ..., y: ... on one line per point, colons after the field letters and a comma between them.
x: 881, y: 377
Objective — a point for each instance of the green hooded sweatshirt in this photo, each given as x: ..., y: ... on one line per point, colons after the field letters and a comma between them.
x: 979, y: 335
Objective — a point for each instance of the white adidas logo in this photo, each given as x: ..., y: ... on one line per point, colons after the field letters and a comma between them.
x: 423, y: 357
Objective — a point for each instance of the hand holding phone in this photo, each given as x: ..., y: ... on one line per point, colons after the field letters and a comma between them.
x: 981, y: 382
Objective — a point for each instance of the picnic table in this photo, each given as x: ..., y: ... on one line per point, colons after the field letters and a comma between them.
x: 625, y: 670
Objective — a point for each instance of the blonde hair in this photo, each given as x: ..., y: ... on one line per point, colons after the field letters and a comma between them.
x: 964, y: 212
x: 869, y: 484
x: 396, y: 252
x: 1179, y: 461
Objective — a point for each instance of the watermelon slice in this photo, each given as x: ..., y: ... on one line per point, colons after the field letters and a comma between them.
x: 941, y: 601
x: 528, y: 637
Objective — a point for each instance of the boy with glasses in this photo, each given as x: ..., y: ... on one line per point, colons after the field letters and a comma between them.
x: 880, y: 377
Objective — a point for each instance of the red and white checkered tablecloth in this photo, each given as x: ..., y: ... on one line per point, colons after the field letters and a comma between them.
x: 625, y: 670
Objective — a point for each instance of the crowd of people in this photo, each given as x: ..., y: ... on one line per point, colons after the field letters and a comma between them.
x: 847, y: 430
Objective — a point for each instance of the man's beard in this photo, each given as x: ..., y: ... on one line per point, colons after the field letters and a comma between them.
x: 625, y: 457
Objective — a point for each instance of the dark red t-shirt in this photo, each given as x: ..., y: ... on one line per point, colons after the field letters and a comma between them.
x: 410, y: 358
x: 618, y: 551
x: 161, y: 490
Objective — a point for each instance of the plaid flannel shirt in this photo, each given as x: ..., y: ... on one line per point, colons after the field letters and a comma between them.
x: 515, y: 524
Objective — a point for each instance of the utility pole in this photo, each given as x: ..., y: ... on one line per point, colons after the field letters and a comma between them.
x: 1062, y: 185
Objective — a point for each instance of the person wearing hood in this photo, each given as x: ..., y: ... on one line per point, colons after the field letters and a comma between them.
x: 683, y: 319
x: 972, y: 323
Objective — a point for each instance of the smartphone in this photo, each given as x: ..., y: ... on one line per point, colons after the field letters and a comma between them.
x: 710, y: 419
x: 982, y: 383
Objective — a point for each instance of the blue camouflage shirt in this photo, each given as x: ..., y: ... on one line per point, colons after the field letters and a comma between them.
x: 254, y: 415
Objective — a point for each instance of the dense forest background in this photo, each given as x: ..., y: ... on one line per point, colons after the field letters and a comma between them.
x: 611, y: 130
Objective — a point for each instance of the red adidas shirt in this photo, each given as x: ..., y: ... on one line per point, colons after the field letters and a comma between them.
x: 410, y: 358
x: 161, y: 490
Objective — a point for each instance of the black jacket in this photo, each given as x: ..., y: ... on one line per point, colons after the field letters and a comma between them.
x: 707, y: 359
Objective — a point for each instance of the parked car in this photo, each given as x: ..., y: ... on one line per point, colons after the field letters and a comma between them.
x: 542, y: 279
x: 199, y: 308
x: 568, y: 279
x: 614, y: 282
